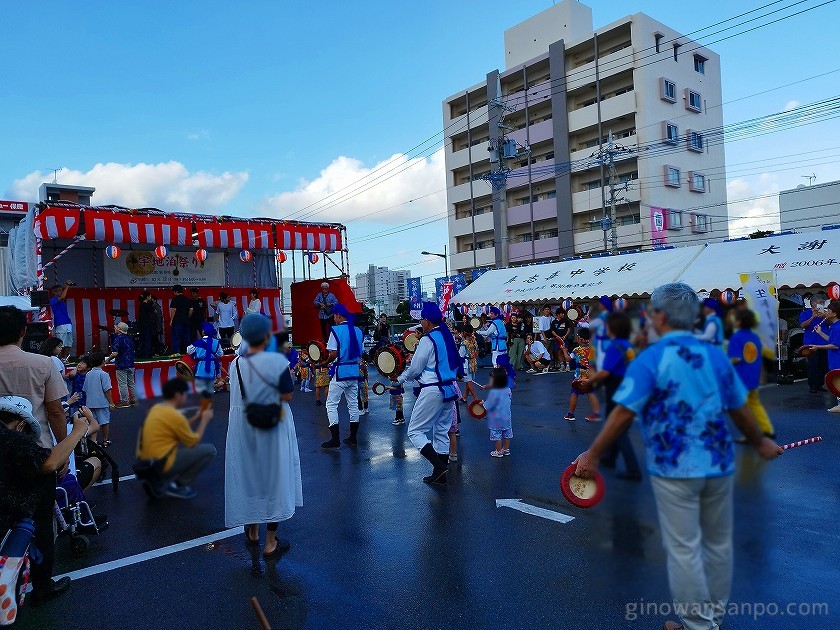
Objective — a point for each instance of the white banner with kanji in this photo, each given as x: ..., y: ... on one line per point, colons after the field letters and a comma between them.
x: 143, y: 269
x: 760, y: 293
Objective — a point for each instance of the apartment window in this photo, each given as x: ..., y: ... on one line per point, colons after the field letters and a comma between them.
x: 700, y: 64
x: 671, y: 133
x: 697, y: 181
x: 695, y: 141
x: 547, y: 234
x: 667, y: 90
x: 675, y: 220
x: 549, y: 155
x: 626, y: 177
x: 486, y: 244
x: 623, y: 90
x: 701, y: 223
x: 693, y: 101
x: 551, y: 195
x: 672, y: 176
x: 630, y: 219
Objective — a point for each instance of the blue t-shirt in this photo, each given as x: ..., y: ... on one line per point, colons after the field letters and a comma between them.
x: 59, y: 312
x: 833, y: 338
x: 618, y: 354
x: 810, y: 338
x: 123, y: 345
x: 746, y: 345
x: 498, y: 409
x: 681, y: 389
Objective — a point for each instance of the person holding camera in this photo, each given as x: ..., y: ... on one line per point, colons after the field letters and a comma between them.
x: 169, y: 447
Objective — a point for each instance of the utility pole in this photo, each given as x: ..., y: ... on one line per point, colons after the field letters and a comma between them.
x: 613, y: 182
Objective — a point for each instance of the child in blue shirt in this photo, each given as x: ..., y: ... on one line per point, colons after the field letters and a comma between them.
x: 498, y: 412
x: 745, y: 354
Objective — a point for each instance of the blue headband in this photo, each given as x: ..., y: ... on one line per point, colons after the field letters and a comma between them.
x: 431, y: 312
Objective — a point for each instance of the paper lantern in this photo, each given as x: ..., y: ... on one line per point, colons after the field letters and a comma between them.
x: 620, y: 304
x: 245, y: 256
x: 161, y: 252
x: 567, y: 304
x: 728, y: 297
x: 506, y: 309
x: 112, y: 251
x: 281, y: 257
x: 313, y: 258
x: 834, y: 291
x: 201, y: 255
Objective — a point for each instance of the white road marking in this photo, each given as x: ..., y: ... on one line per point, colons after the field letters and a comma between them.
x: 517, y: 504
x: 150, y: 555
x: 108, y: 481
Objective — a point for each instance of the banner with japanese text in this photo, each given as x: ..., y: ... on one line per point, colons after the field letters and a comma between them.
x: 459, y: 283
x: 142, y: 269
x: 760, y: 293
x: 445, y: 296
x: 658, y: 231
x: 415, y: 297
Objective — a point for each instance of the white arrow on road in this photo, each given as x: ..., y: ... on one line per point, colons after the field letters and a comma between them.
x: 517, y: 504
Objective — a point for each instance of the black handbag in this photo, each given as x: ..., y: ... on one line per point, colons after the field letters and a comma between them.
x: 149, y: 468
x: 258, y: 415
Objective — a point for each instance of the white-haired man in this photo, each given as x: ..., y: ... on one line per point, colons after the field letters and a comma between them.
x: 325, y: 302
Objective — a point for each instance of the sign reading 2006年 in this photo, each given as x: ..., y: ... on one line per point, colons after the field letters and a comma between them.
x: 142, y: 269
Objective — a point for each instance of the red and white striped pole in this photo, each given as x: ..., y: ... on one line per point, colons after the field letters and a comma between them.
x: 812, y: 440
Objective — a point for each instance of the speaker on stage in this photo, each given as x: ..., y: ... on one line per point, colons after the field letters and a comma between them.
x: 36, y: 334
x: 39, y: 299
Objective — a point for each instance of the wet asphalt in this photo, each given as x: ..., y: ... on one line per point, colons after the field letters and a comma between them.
x: 375, y: 547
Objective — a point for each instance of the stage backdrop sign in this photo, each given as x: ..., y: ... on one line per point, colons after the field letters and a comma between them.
x: 142, y: 269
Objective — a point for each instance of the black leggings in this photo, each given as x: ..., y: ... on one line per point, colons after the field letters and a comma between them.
x: 272, y: 527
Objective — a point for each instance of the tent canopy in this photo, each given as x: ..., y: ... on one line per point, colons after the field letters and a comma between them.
x: 621, y: 275
x: 798, y: 260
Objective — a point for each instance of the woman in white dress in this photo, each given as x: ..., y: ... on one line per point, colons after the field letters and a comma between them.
x: 254, y: 306
x: 262, y: 466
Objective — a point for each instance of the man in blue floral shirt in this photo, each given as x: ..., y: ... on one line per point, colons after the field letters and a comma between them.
x: 122, y: 353
x: 682, y: 389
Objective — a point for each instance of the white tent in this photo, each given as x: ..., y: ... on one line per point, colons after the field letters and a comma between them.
x: 798, y: 260
x: 20, y: 301
x: 624, y: 275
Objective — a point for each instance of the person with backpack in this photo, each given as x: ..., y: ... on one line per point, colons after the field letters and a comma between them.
x: 206, y: 353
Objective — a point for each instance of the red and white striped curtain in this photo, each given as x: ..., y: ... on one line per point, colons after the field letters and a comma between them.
x: 235, y: 235
x: 320, y: 238
x: 115, y: 227
x: 57, y: 223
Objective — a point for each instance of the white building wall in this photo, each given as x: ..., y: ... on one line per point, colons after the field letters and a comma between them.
x: 810, y: 207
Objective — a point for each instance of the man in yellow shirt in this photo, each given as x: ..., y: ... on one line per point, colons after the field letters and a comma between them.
x: 166, y: 433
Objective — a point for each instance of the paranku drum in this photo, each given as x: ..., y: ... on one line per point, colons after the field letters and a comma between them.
x: 317, y: 351
x: 236, y: 340
x: 476, y: 323
x: 573, y: 314
x: 410, y: 339
x: 185, y: 368
x: 378, y: 389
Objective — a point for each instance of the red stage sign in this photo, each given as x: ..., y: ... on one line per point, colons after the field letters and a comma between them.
x: 14, y: 206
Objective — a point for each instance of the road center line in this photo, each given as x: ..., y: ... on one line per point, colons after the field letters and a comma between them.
x: 150, y: 555
x: 517, y: 504
x: 107, y: 482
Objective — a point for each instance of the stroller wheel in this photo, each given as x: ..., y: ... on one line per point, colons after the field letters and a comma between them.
x: 79, y: 545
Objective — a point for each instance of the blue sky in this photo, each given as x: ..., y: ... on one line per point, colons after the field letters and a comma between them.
x: 246, y: 107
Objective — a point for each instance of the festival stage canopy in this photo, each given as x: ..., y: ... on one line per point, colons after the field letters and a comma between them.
x: 627, y: 275
x: 154, y: 227
x: 798, y: 260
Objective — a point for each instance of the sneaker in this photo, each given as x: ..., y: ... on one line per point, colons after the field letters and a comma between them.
x: 531, y: 371
x: 545, y: 371
x: 506, y: 452
x: 497, y: 454
x: 180, y: 492
x: 569, y: 416
x: 835, y: 409
x: 398, y: 421
x: 453, y: 457
x: 593, y: 417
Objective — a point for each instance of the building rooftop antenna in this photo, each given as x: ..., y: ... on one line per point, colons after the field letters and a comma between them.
x: 811, y: 178
x: 55, y: 173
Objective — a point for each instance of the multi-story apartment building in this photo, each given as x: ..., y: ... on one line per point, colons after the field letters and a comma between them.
x: 809, y: 207
x: 382, y: 287
x: 565, y: 89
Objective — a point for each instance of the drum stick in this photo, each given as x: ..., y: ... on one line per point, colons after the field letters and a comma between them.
x: 260, y: 614
x: 812, y: 440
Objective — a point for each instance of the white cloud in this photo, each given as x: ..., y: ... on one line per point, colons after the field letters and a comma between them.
x: 791, y: 105
x: 746, y: 217
x: 167, y: 185
x: 347, y: 190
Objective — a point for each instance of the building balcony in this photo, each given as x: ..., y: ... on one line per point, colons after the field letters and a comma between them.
x: 460, y: 193
x: 615, y: 107
x: 540, y: 172
x: 462, y: 261
x: 588, y: 200
x: 539, y: 249
x: 519, y: 215
x: 463, y: 227
x: 629, y: 237
x: 608, y: 66
x: 539, y: 93
x: 538, y: 132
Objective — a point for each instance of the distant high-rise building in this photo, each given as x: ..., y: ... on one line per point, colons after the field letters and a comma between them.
x: 565, y: 89
x: 810, y: 207
x: 382, y: 288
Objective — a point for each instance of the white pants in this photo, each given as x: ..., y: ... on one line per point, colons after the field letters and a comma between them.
x: 430, y: 413
x: 350, y: 391
x: 695, y: 516
x: 496, y: 354
x: 65, y: 333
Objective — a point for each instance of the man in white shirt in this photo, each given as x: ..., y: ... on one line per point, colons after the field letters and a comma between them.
x: 226, y: 316
x: 537, y: 355
x: 544, y: 323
